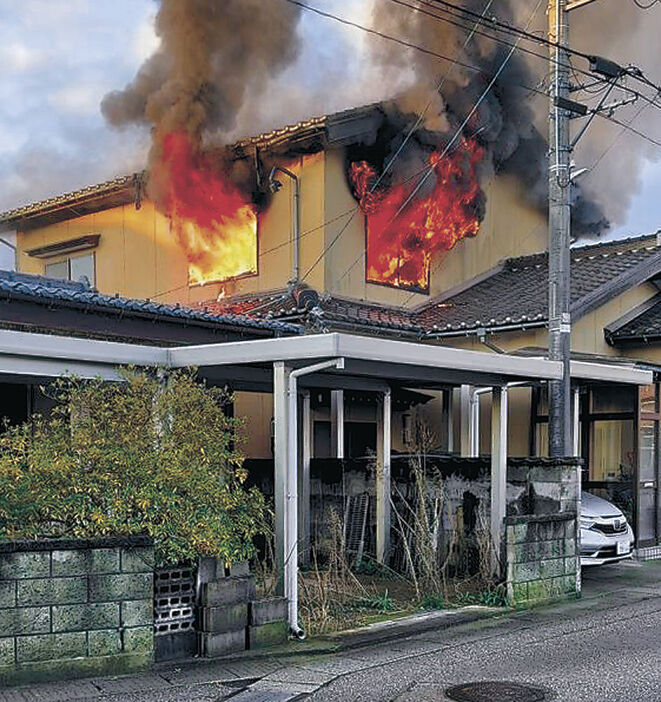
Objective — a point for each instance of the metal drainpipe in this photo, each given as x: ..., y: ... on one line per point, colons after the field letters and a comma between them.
x: 291, y: 521
x: 475, y: 413
x: 296, y: 225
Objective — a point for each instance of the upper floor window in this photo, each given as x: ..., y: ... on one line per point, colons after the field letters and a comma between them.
x: 80, y: 269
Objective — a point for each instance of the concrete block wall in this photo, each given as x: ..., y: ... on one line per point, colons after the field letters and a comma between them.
x: 231, y: 619
x: 75, y: 608
x: 545, y: 485
x: 542, y: 558
x: 267, y: 623
x: 224, y: 615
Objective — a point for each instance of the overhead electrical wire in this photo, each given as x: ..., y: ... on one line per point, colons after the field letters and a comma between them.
x: 504, y: 26
x: 649, y: 6
x: 418, y: 122
x: 631, y: 72
x: 424, y: 50
x: 458, y: 133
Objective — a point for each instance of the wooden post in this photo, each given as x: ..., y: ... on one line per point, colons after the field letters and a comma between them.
x: 447, y: 433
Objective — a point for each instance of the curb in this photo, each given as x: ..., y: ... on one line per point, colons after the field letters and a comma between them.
x: 365, y: 636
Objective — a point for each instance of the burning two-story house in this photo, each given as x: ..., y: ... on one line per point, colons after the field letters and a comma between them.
x: 312, y: 231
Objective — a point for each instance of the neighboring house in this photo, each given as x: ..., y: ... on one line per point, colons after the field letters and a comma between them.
x: 39, y: 305
x: 489, y: 291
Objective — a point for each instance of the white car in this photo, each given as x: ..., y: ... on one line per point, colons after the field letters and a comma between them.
x: 605, y: 535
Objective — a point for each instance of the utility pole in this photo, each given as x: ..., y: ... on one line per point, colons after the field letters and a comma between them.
x: 559, y: 230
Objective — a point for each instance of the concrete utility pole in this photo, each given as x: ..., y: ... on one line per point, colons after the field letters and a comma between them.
x: 559, y: 231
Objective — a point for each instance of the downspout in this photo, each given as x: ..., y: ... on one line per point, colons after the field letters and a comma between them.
x: 475, y: 414
x: 274, y: 185
x: 291, y: 521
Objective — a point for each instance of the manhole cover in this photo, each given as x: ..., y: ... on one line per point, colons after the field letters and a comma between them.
x: 495, y: 692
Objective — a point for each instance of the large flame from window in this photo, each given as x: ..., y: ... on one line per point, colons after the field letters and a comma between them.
x: 402, y: 239
x: 215, y: 224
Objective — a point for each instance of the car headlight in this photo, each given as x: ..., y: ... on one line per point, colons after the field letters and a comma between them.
x: 586, y: 522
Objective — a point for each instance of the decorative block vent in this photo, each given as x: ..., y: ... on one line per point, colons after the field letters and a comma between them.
x: 174, y: 600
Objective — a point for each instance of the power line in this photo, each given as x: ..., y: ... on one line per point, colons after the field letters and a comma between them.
x: 457, y: 134
x: 398, y: 152
x: 634, y: 73
x: 618, y: 137
x: 503, y: 26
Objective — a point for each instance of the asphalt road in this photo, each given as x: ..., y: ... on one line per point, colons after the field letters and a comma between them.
x: 584, y: 654
x: 604, y: 647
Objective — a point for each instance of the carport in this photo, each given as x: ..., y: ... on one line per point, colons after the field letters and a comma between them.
x: 289, y: 368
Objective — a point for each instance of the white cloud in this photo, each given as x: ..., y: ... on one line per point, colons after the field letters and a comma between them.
x: 20, y: 58
x: 145, y: 42
x: 77, y: 99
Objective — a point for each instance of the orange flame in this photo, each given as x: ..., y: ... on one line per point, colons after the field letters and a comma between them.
x: 215, y: 224
x: 400, y: 245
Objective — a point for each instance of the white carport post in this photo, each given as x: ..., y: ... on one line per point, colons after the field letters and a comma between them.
x: 281, y: 460
x: 337, y: 423
x: 498, y: 472
x: 384, y: 448
x: 465, y: 394
x: 285, y: 413
x: 304, y: 483
x: 576, y: 429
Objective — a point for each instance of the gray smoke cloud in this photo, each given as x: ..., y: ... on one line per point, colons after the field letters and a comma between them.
x: 212, y: 55
x: 512, y: 121
x: 505, y: 121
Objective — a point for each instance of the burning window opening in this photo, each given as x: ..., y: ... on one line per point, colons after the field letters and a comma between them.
x: 401, y: 245
x: 213, y: 221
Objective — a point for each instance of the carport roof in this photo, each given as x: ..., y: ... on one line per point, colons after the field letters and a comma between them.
x: 369, y: 364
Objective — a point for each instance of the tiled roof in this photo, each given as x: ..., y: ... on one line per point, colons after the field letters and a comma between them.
x: 513, y: 295
x: 64, y: 292
x: 89, y: 192
x: 641, y: 325
x: 321, y: 313
x: 516, y: 294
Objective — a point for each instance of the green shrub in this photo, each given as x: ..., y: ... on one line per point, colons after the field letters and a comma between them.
x: 150, y: 455
x: 433, y: 601
x: 381, y: 603
x: 490, y: 597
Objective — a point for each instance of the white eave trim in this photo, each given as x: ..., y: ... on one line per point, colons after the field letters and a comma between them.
x: 611, y: 373
x: 71, y: 349
x: 365, y: 348
x: 25, y: 353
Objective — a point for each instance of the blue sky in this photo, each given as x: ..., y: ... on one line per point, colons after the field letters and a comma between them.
x: 59, y: 57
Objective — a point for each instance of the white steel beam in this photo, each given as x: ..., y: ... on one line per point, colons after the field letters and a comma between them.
x: 610, y: 373
x: 337, y: 423
x: 51, y: 346
x: 281, y: 373
x: 498, y: 472
x: 383, y: 478
x: 304, y: 478
x: 351, y: 346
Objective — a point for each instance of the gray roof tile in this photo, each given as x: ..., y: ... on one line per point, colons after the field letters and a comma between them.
x: 53, y: 291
